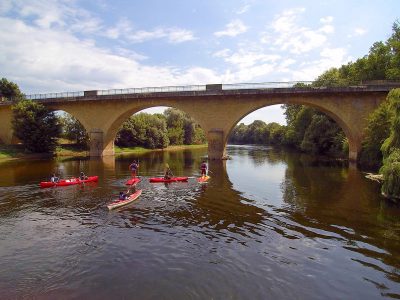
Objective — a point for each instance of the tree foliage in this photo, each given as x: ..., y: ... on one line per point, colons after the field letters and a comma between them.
x: 9, y: 90
x: 144, y: 130
x: 377, y: 131
x: 391, y: 150
x: 258, y: 132
x: 35, y: 126
x: 72, y: 129
x: 182, y: 129
x: 173, y: 127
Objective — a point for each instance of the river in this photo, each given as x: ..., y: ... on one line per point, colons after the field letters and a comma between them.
x: 270, y: 224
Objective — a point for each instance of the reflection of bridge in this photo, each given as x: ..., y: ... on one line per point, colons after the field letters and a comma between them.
x: 217, y: 108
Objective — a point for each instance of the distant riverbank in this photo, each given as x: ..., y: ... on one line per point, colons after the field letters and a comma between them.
x: 10, y: 152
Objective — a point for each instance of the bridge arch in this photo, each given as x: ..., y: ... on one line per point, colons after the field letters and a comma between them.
x: 341, y: 113
x: 346, y: 129
x: 110, y: 133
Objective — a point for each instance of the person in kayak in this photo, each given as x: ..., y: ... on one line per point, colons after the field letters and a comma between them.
x: 122, y: 196
x: 203, y: 168
x: 82, y: 176
x: 167, y: 172
x: 133, y: 167
x: 54, y: 178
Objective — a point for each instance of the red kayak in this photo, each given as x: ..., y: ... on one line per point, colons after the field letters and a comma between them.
x: 173, y: 179
x: 120, y: 203
x: 67, y: 182
x: 132, y: 181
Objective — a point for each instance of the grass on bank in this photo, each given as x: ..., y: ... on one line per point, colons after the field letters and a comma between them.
x: 68, y: 149
x: 11, y: 151
x: 139, y: 150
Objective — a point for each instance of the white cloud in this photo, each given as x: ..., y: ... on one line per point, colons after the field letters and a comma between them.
x: 329, y: 58
x: 232, y: 29
x: 244, y: 58
x: 124, y: 29
x: 56, y: 60
x: 327, y: 19
x: 357, y: 32
x: 289, y: 36
x: 327, y: 29
x: 243, y: 10
x: 360, y: 31
x: 178, y: 35
x: 222, y: 53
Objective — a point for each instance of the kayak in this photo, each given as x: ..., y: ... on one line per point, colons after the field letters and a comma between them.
x: 132, y: 181
x: 67, y: 182
x: 203, y: 179
x: 120, y: 203
x: 173, y: 179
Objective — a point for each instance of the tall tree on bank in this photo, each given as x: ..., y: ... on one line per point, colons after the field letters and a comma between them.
x: 9, y: 90
x: 376, y: 132
x: 391, y: 150
x: 36, y: 126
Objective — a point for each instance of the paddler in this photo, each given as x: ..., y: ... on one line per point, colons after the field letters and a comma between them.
x: 134, y: 166
x: 124, y: 196
x: 203, y: 168
x: 82, y: 176
x: 167, y: 172
x: 54, y: 178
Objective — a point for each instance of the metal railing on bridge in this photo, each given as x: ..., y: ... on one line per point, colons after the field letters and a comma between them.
x: 176, y: 89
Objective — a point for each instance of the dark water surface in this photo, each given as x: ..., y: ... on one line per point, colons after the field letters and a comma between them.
x: 269, y: 225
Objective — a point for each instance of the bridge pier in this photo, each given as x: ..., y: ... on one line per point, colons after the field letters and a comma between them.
x: 98, y: 147
x: 216, y: 144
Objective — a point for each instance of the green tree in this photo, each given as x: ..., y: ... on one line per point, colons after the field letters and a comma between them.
x: 330, y: 78
x: 376, y: 132
x: 36, y: 126
x: 10, y: 90
x: 393, y: 71
x: 143, y: 130
x: 391, y: 150
x: 175, y: 126
x: 322, y: 136
x: 72, y: 129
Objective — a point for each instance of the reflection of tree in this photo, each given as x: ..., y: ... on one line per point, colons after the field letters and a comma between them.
x: 341, y: 201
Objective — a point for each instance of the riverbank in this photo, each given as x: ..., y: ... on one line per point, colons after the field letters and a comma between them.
x: 11, y: 152
x: 140, y: 150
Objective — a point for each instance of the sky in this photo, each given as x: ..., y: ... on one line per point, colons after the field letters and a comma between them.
x: 76, y: 45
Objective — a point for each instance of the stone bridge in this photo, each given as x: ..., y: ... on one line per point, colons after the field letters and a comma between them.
x: 216, y: 108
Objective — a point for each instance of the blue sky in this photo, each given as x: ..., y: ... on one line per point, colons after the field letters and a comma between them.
x: 56, y: 46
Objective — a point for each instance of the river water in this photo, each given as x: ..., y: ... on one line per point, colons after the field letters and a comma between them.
x: 269, y: 225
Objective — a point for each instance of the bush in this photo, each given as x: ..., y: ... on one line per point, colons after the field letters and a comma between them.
x: 36, y: 126
x: 391, y: 175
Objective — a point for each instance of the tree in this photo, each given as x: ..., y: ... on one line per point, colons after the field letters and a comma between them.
x: 391, y: 150
x: 376, y: 132
x: 175, y: 124
x: 36, y: 126
x: 144, y: 130
x: 72, y: 129
x: 9, y: 90
x: 330, y: 78
x: 322, y: 136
